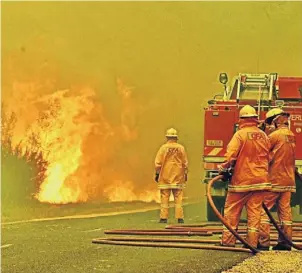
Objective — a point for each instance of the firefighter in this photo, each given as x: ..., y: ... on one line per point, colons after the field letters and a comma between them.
x: 171, y: 168
x: 282, y: 177
x: 248, y: 155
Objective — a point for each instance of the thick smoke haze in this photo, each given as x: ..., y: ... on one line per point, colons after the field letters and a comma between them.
x: 136, y: 69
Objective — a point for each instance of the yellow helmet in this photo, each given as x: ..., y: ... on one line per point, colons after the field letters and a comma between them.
x: 247, y: 111
x: 273, y: 113
x: 171, y: 133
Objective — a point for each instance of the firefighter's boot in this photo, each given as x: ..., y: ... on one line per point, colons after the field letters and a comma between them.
x: 282, y: 244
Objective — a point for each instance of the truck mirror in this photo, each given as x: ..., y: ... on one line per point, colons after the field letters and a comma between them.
x: 223, y: 78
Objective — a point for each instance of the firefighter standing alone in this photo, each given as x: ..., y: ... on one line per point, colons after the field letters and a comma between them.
x: 282, y: 177
x: 171, y: 168
x: 248, y: 154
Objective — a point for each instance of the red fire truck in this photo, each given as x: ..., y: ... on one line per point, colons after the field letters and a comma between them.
x: 264, y: 92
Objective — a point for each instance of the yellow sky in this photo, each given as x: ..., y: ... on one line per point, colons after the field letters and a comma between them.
x: 171, y: 52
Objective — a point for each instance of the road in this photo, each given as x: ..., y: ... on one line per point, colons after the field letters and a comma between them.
x: 64, y: 245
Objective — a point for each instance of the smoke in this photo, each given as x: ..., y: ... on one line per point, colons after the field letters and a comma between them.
x: 132, y: 70
x: 81, y: 151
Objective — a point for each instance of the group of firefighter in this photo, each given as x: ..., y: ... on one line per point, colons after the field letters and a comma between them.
x: 262, y: 160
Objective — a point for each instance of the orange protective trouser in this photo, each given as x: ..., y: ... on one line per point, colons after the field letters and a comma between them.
x: 235, y: 201
x: 282, y: 199
x: 164, y: 208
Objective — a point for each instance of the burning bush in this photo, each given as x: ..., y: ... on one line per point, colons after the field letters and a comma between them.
x: 76, y: 148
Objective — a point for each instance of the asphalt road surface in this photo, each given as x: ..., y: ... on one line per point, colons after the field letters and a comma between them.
x: 64, y: 245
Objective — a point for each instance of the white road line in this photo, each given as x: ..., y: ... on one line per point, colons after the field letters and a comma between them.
x: 5, y: 246
x: 91, y: 230
x: 94, y: 215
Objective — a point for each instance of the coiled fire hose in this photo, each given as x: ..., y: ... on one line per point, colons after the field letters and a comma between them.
x: 221, y: 218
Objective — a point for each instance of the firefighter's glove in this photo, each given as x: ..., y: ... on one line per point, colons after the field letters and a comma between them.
x: 221, y: 169
x: 156, y: 177
x: 227, y: 175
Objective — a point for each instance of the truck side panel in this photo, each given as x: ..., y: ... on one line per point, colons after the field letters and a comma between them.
x: 219, y: 129
x: 296, y: 128
x: 290, y: 88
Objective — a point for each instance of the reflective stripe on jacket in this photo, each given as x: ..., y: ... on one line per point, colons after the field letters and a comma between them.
x: 249, y: 151
x: 171, y: 162
x: 282, y: 160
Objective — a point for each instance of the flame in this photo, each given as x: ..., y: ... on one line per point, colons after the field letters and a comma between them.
x: 64, y: 136
x: 70, y: 138
x: 58, y: 133
x: 125, y: 191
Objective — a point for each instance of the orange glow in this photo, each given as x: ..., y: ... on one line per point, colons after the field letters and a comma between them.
x: 68, y: 131
x: 125, y: 191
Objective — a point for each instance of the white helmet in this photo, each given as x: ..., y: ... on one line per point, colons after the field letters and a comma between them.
x: 248, y: 111
x: 274, y: 113
x: 171, y: 133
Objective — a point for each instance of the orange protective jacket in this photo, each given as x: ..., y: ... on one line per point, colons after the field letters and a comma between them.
x: 282, y: 160
x: 249, y: 151
x: 172, y: 165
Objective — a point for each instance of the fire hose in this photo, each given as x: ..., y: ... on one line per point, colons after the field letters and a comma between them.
x: 166, y: 244
x: 189, y: 230
x: 226, y: 224
x: 215, y: 230
x: 159, y: 232
x: 297, y: 226
x: 280, y: 231
x: 169, y: 243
